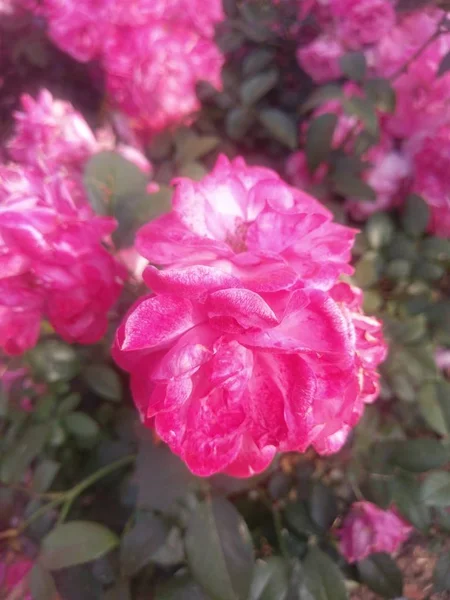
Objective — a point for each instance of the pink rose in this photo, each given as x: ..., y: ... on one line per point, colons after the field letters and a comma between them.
x: 152, y: 72
x: 243, y: 351
x: 359, y: 24
x: 368, y: 529
x: 53, y: 261
x: 320, y: 58
x: 249, y: 223
x: 229, y: 375
x: 430, y: 153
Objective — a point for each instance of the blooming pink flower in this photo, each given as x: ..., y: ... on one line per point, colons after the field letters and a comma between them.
x: 320, y: 58
x: 249, y: 223
x: 52, y: 262
x: 13, y: 578
x: 362, y: 23
x: 431, y: 168
x: 243, y: 351
x: 422, y: 97
x: 152, y: 72
x: 388, y: 173
x: 230, y: 375
x: 49, y: 132
x: 368, y: 529
x: 153, y: 51
x: 395, y: 49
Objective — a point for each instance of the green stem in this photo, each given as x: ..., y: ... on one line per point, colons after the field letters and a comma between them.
x: 71, y: 495
x: 277, y: 521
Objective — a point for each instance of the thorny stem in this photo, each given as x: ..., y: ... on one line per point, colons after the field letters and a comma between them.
x: 277, y: 521
x: 67, y: 498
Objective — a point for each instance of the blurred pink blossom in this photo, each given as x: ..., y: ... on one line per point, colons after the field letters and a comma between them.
x: 368, y: 529
x: 13, y: 578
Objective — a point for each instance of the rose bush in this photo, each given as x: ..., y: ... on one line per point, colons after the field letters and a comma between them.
x: 214, y: 384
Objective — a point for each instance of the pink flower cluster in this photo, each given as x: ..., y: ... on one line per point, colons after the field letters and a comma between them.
x: 413, y: 154
x: 153, y: 52
x: 368, y: 529
x: 248, y: 344
x: 53, y: 261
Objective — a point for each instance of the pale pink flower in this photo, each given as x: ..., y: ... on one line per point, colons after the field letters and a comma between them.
x: 422, y: 97
x: 368, y: 529
x: 152, y: 72
x: 50, y: 132
x: 361, y: 23
x: 248, y: 222
x: 431, y: 169
x: 52, y: 261
x: 388, y: 174
x: 320, y: 58
x: 154, y: 52
x: 395, y: 49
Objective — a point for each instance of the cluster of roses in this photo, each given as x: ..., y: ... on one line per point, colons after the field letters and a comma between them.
x: 53, y: 248
x: 249, y: 343
x: 406, y: 48
x: 152, y: 52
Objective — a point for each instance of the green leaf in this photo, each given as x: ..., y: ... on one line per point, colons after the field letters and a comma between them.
x: 441, y: 574
x: 69, y: 403
x: 420, y: 455
x: 161, y: 476
x: 353, y: 187
x: 323, y: 506
x: 364, y: 110
x: 319, y: 138
x: 353, y: 65
x: 180, y: 588
x: 270, y: 580
x: 381, y: 93
x: 436, y: 489
x: 190, y: 146
x: 219, y: 550
x: 434, y: 404
x: 26, y: 449
x: 194, y: 170
x: 81, y: 425
x: 324, y: 579
x: 54, y: 361
x: 119, y: 591
x: 108, y: 177
x: 435, y: 248
x: 444, y: 65
x: 104, y: 381
x: 280, y: 126
x: 379, y: 230
x: 238, y: 122
x: 406, y: 495
x: 44, y: 474
x: 255, y: 88
x: 321, y: 95
x: 42, y: 586
x: 298, y: 589
x: 398, y: 269
x: 257, y: 60
x: 299, y: 519
x: 415, y: 215
x: 382, y: 575
x: 140, y: 543
x: 75, y: 543
x: 367, y: 270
